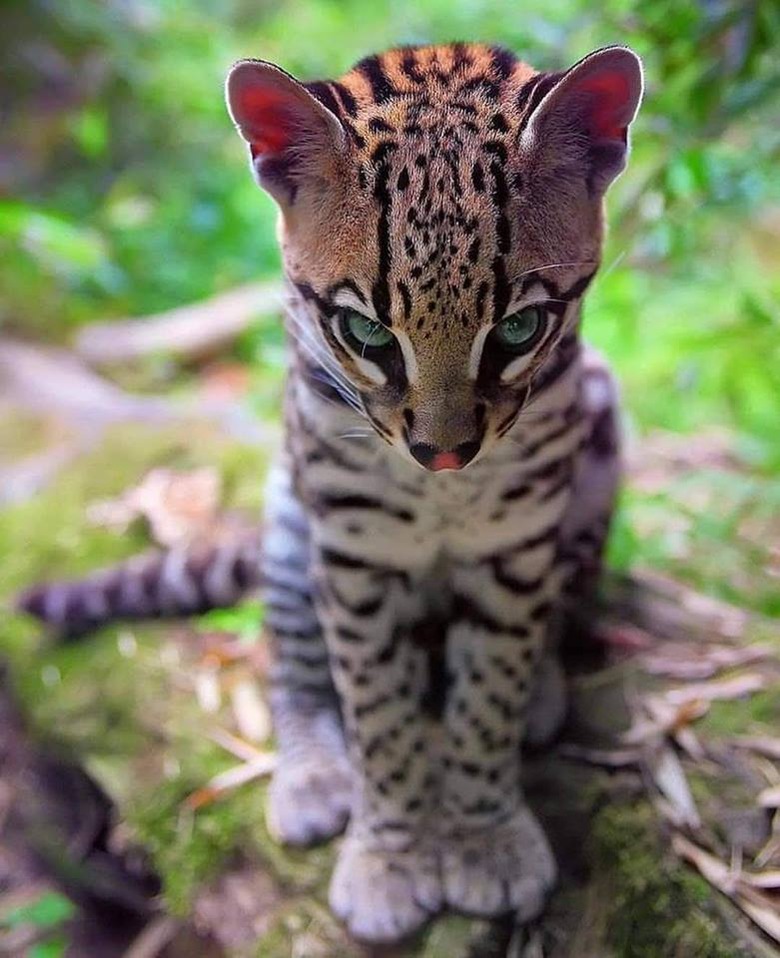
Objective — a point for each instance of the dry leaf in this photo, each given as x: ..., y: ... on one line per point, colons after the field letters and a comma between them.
x: 667, y: 773
x: 664, y: 719
x: 770, y: 853
x: 177, y: 505
x: 689, y: 742
x: 624, y: 636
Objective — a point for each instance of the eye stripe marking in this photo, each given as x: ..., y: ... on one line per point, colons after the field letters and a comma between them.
x: 349, y: 286
x: 477, y: 347
x: 369, y: 369
x: 410, y: 360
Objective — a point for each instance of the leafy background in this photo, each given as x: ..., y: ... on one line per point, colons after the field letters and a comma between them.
x: 124, y: 191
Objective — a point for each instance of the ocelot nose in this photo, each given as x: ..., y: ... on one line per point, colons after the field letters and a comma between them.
x: 437, y: 459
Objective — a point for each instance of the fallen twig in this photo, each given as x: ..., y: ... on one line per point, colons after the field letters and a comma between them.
x: 762, y: 744
x: 752, y: 901
x: 250, y: 710
x: 188, y: 332
x: 226, y: 781
x: 154, y: 938
x: 717, y: 689
x: 769, y: 797
x: 606, y: 758
x: 235, y: 745
x: 690, y: 660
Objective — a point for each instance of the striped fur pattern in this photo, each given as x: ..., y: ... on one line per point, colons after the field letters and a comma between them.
x: 425, y: 197
x: 441, y: 490
x: 215, y: 571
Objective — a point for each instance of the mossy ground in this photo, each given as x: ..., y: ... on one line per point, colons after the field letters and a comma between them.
x: 658, y: 907
x: 122, y: 703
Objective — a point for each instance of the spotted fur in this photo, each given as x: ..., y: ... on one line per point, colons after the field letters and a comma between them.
x: 413, y: 603
x: 434, y: 192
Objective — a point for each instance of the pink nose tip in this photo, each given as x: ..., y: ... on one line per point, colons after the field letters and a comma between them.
x: 446, y: 460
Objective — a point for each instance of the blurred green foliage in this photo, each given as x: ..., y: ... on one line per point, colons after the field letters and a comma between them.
x: 123, y: 189
x: 45, y: 917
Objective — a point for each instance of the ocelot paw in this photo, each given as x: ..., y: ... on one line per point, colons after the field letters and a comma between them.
x: 502, y: 868
x: 384, y: 895
x: 309, y: 797
x: 549, y: 703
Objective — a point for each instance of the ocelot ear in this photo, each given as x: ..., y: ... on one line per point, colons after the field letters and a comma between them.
x: 295, y: 142
x: 585, y: 116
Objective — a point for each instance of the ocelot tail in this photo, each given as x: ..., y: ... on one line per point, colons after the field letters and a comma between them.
x: 450, y: 462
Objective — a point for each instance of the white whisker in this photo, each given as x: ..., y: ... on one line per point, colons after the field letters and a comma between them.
x: 538, y: 269
x: 333, y: 376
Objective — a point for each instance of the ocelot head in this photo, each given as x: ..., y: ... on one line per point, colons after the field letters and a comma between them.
x: 441, y: 218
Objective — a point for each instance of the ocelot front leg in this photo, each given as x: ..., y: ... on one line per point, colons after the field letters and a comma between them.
x: 310, y: 794
x: 495, y: 857
x: 581, y: 539
x: 386, y: 882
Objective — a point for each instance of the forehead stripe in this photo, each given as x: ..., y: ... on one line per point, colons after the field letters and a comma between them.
x: 403, y: 289
x: 380, y: 293
x: 500, y: 197
x: 382, y: 89
x: 410, y: 66
x: 503, y: 62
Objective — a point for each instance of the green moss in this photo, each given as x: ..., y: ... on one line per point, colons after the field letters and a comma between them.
x: 303, y: 870
x: 189, y: 848
x: 306, y: 928
x: 755, y: 714
x: 658, y: 909
x: 119, y: 702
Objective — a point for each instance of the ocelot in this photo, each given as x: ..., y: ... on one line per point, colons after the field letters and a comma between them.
x: 450, y: 460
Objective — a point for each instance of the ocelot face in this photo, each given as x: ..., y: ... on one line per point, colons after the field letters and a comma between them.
x: 441, y: 219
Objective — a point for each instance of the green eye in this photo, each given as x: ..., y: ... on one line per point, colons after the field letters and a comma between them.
x: 518, y: 332
x: 364, y: 333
